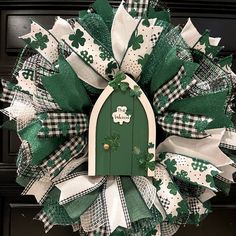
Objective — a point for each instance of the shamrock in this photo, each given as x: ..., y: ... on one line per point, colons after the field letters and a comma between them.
x: 124, y: 86
x: 199, y: 164
x: 163, y: 99
x: 183, y: 175
x: 64, y: 127
x: 173, y: 188
x: 183, y: 207
x: 200, y: 125
x: 136, y: 92
x: 66, y: 154
x: 40, y: 41
x: 146, y: 22
x: 185, y: 133
x: 133, y: 12
x: 185, y: 81
x: 142, y: 60
x: 151, y: 145
x: 157, y: 184
x: 104, y: 54
x: 136, y: 41
x: 115, y: 84
x: 87, y: 58
x: 145, y: 161
x: 162, y: 156
x: 169, y: 119
x: 50, y: 163
x: 77, y: 127
x: 195, y: 217
x: 210, y: 179
x: 171, y: 218
x: 113, y: 141
x: 112, y: 65
x: 77, y: 38
x: 185, y: 118
x: 170, y: 165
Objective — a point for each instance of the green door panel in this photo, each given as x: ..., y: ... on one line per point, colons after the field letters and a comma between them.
x: 103, y: 129
x: 140, y: 136
x: 121, y: 160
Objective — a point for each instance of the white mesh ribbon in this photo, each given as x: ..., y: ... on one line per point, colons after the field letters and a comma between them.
x: 21, y: 109
x: 146, y: 189
x: 93, y: 218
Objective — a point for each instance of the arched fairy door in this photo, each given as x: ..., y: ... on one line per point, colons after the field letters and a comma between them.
x: 122, y: 130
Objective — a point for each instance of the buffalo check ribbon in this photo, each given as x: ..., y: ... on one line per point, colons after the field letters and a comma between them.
x: 63, y: 155
x: 172, y: 90
x: 228, y: 140
x: 42, y: 216
x: 7, y: 94
x: 186, y: 125
x: 63, y: 124
x: 139, y: 6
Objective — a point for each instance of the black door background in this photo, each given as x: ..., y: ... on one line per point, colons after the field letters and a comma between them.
x: 16, y: 211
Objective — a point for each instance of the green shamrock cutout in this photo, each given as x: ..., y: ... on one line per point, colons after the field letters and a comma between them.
x: 112, y: 141
x: 117, y: 83
x: 136, y: 41
x: 104, y: 55
x: 136, y: 91
x: 145, y: 161
x: 77, y: 38
x: 40, y: 41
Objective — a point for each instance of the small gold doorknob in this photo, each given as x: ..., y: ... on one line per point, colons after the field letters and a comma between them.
x: 106, y: 146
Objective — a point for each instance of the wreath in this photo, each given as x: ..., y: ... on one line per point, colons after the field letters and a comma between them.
x: 126, y: 121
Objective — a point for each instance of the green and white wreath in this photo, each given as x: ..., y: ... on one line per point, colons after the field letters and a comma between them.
x: 134, y: 52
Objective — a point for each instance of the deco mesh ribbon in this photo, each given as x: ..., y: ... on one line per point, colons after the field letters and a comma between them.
x: 58, y: 78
